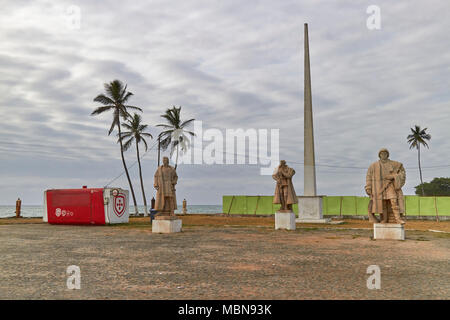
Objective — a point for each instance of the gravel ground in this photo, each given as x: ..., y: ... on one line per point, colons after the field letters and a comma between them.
x: 219, y: 262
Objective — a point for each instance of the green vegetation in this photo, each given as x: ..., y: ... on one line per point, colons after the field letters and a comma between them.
x: 437, y: 187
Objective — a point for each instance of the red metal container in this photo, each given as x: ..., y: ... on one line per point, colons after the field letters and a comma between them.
x: 95, y: 206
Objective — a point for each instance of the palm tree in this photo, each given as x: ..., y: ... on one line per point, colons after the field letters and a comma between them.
x: 174, y: 133
x: 115, y: 98
x: 417, y: 138
x: 136, y: 133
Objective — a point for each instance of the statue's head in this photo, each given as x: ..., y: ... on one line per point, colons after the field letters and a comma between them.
x: 383, y: 154
x: 282, y: 163
x: 165, y: 161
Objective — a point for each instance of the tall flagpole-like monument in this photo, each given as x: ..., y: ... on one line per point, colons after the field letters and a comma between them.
x: 310, y: 204
x: 309, y: 162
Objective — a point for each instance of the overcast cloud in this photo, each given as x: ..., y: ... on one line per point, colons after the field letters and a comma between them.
x: 231, y: 64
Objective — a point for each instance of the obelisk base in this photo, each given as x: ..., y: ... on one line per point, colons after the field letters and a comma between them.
x: 388, y: 231
x: 310, y: 210
x: 285, y: 219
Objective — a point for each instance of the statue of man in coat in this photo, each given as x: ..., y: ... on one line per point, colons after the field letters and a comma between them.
x: 284, y: 190
x: 165, y: 180
x: 384, y: 181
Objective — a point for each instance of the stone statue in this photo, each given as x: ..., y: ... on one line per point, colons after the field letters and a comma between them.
x: 384, y: 181
x: 165, y: 180
x: 284, y: 191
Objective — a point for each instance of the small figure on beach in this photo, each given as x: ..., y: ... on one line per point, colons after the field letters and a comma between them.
x: 164, y: 182
x: 18, y: 206
x: 184, y: 206
x: 284, y: 190
x: 384, y: 181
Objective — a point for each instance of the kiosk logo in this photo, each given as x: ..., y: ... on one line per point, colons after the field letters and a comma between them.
x: 119, y: 204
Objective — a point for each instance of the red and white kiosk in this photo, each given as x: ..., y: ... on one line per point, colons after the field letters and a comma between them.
x: 95, y: 206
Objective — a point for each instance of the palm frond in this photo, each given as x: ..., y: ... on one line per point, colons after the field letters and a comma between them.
x: 164, y: 143
x: 145, y: 144
x: 127, y: 126
x: 127, y: 144
x: 114, y: 123
x: 133, y: 108
x: 126, y: 96
x: 104, y: 99
x: 100, y: 110
x: 418, y: 137
x: 125, y: 135
x: 145, y: 134
x: 185, y: 123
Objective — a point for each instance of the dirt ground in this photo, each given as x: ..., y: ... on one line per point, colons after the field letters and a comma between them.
x: 221, y: 258
x: 223, y: 220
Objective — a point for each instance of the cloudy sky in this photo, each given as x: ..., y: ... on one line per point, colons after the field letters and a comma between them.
x: 232, y: 64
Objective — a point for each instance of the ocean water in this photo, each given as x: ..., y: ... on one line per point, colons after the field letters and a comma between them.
x: 37, y: 211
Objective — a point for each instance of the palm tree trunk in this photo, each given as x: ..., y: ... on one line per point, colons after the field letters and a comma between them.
x: 126, y: 171
x: 159, y: 149
x: 142, y: 182
x: 420, y: 171
x: 176, y: 161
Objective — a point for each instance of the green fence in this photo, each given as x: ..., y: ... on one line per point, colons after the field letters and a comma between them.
x: 336, y: 205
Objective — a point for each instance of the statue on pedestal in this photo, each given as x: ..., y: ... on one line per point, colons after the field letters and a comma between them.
x: 384, y: 181
x: 165, y: 180
x: 284, y: 190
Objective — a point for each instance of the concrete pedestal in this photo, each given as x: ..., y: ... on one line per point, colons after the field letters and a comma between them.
x: 389, y: 231
x: 310, y: 210
x: 168, y: 224
x: 285, y: 219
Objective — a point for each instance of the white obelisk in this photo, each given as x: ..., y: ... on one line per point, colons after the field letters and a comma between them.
x: 310, y: 205
x: 309, y: 162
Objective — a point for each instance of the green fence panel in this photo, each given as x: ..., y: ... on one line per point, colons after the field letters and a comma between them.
x: 252, y: 202
x: 238, y: 205
x: 295, y: 208
x: 333, y: 205
x: 443, y: 205
x: 412, y: 205
x: 226, y: 201
x: 264, y: 205
x: 324, y: 205
x: 267, y: 205
x: 362, y: 205
x: 259, y: 205
x: 427, y: 206
x: 275, y: 207
x: 349, y: 205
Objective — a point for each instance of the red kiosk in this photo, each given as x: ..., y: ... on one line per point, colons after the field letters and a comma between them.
x: 96, y: 206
